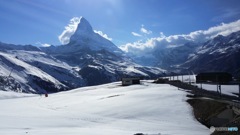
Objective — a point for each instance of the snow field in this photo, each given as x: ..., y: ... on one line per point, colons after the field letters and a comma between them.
x: 104, y: 110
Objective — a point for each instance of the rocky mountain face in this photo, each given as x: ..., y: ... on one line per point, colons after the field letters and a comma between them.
x: 171, y: 57
x: 168, y: 57
x: 219, y: 54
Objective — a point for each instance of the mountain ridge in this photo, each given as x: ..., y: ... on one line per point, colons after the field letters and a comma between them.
x: 218, y: 54
x: 88, y: 59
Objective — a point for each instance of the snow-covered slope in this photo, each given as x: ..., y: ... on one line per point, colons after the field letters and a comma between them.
x: 28, y: 69
x: 99, y: 59
x: 59, y: 70
x: 26, y: 75
x: 101, y: 110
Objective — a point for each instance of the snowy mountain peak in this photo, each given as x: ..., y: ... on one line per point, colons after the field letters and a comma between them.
x: 84, y: 30
x: 84, y: 37
x: 83, y: 26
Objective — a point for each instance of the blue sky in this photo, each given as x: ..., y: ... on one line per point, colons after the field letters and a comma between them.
x: 125, y: 21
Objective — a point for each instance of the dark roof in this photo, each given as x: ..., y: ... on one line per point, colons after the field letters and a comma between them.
x: 214, y: 77
x: 132, y: 78
x: 214, y: 73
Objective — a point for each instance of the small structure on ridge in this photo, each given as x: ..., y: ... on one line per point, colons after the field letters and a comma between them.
x: 130, y: 81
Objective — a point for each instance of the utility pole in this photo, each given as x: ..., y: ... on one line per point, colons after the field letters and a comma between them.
x: 218, y: 85
x: 194, y: 77
x: 200, y: 81
x: 239, y: 89
x: 189, y: 78
x: 220, y: 89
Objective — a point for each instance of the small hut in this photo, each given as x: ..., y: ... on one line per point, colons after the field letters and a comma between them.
x: 130, y: 81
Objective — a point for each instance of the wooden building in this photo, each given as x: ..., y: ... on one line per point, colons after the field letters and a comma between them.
x: 130, y: 81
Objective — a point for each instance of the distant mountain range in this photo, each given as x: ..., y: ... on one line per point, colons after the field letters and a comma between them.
x: 217, y: 54
x: 89, y: 59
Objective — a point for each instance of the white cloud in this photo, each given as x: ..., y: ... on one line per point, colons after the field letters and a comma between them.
x: 46, y: 45
x: 162, y: 35
x: 145, y: 31
x: 103, y: 35
x: 200, y: 36
x: 136, y: 34
x: 223, y: 29
x: 42, y: 44
x: 139, y: 47
x: 69, y: 30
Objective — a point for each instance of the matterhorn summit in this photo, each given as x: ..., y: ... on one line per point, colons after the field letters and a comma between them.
x: 84, y: 29
x: 84, y: 26
x: 85, y: 37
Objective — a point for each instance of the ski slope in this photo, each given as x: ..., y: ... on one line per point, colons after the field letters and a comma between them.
x: 108, y: 109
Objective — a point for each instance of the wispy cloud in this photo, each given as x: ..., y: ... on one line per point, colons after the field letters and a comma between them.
x: 226, y: 14
x: 200, y: 36
x: 144, y: 30
x: 103, y: 35
x: 136, y: 34
x: 69, y: 30
x: 162, y: 35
